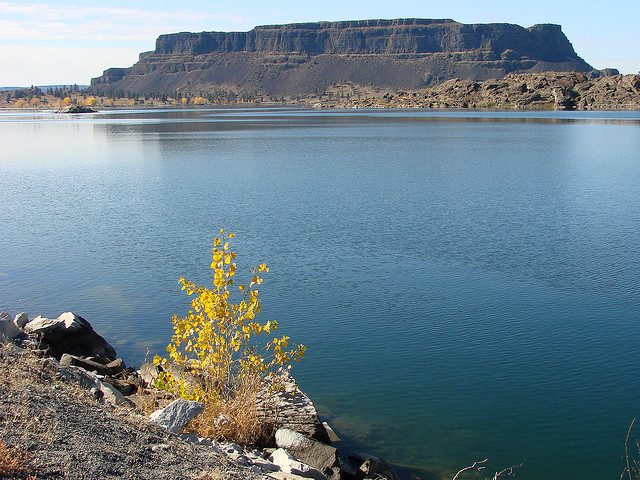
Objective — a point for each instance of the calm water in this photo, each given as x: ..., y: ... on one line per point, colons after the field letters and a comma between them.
x: 467, y: 283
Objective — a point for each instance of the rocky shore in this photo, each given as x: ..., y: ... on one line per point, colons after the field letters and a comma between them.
x: 70, y: 408
x: 532, y: 91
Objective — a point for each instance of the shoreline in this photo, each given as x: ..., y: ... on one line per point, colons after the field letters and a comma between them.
x: 67, y: 352
x: 563, y: 91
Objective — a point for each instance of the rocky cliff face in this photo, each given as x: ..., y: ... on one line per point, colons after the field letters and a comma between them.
x: 299, y: 59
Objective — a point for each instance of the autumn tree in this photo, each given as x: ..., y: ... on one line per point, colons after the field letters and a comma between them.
x: 217, y: 342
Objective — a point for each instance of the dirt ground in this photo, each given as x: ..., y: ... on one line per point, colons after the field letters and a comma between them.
x: 51, y: 429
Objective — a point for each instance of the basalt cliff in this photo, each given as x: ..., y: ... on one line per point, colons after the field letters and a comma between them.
x: 307, y: 58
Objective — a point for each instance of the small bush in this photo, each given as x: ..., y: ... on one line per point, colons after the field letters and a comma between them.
x: 216, y: 343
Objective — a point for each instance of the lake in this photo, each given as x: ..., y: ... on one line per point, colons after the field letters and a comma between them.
x: 466, y: 282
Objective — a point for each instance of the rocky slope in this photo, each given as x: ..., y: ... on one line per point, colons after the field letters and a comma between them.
x: 302, y: 59
x: 69, y: 408
x: 537, y: 91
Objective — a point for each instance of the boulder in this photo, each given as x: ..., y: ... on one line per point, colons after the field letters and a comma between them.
x: 80, y: 376
x: 126, y: 388
x: 288, y: 407
x: 8, y: 329
x: 67, y: 359
x: 177, y: 414
x: 117, y: 366
x: 316, y: 454
x: 70, y: 333
x: 368, y: 466
x: 288, y: 464
x: 21, y: 319
x: 113, y: 396
x: 91, y: 382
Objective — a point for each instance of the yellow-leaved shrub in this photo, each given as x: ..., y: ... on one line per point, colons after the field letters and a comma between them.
x: 216, y: 344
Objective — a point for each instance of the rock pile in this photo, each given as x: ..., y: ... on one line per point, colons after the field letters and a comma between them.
x: 536, y: 91
x: 301, y: 446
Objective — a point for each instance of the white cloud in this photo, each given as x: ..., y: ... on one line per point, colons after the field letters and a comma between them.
x: 40, y: 21
x: 43, y: 43
x: 37, y: 65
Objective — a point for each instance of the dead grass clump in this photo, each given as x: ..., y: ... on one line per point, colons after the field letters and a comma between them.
x: 234, y: 418
x: 13, y: 462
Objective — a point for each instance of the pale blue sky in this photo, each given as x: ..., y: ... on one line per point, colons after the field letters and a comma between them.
x: 68, y: 41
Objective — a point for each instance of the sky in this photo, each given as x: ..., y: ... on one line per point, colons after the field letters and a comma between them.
x: 62, y: 42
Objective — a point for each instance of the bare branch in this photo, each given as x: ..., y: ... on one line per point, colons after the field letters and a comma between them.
x: 507, y: 472
x: 626, y: 452
x: 476, y: 466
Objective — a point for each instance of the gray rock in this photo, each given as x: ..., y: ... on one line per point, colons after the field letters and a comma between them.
x: 288, y: 464
x: 21, y: 320
x: 333, y: 436
x: 89, y: 365
x: 177, y: 414
x: 265, y: 466
x: 373, y: 467
x: 234, y: 452
x: 113, y: 396
x: 80, y: 376
x: 205, y: 442
x: 289, y: 407
x: 70, y: 333
x: 191, y: 437
x: 126, y: 388
x: 9, y: 330
x: 316, y: 454
x: 117, y: 365
x: 230, y: 448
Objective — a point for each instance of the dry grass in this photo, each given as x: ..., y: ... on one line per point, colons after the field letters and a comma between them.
x: 14, y: 463
x: 234, y: 417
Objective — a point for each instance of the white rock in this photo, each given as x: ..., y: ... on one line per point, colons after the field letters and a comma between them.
x: 291, y: 440
x: 289, y: 464
x: 41, y: 324
x: 177, y: 414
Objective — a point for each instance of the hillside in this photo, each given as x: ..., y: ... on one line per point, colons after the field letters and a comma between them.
x: 303, y: 59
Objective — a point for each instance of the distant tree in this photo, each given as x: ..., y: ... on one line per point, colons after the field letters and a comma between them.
x: 92, y: 102
x: 184, y: 100
x: 35, y: 102
x: 66, y: 100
